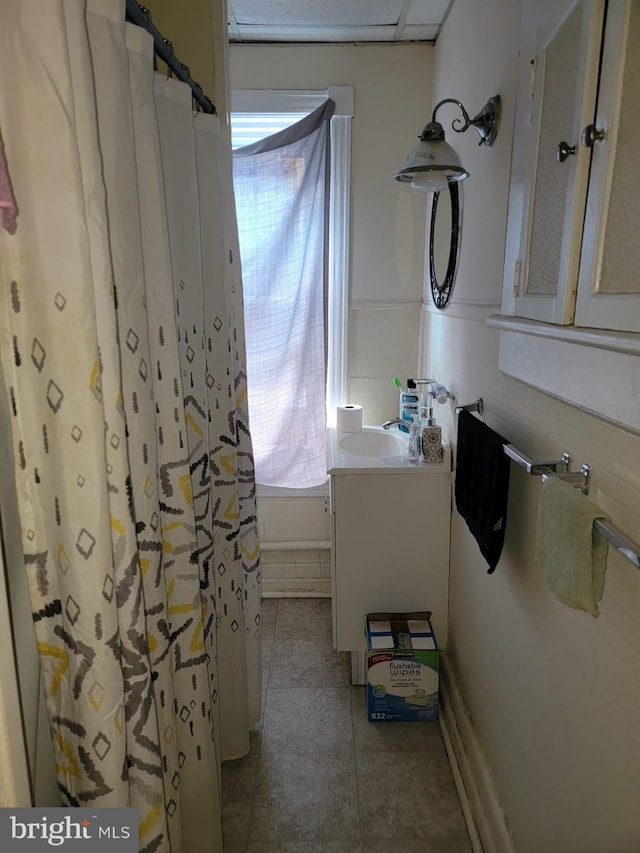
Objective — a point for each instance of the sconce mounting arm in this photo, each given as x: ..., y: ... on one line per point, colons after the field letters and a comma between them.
x: 467, y: 120
x: 486, y: 122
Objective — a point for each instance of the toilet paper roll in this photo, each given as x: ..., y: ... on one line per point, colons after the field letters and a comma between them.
x: 349, y: 418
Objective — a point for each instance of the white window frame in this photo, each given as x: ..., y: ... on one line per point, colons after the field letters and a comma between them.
x: 297, y: 101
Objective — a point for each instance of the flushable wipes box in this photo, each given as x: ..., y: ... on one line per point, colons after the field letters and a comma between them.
x: 403, y: 664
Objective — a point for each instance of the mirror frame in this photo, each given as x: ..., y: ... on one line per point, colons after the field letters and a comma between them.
x: 441, y: 291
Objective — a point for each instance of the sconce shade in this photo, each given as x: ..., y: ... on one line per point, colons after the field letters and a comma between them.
x: 432, y: 164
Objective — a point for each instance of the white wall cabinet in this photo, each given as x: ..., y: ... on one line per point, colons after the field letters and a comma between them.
x: 562, y: 78
x: 390, y: 548
x: 571, y: 295
x: 609, y: 278
x: 578, y: 259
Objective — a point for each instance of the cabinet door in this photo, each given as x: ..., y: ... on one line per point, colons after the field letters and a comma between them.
x: 390, y: 549
x: 609, y: 283
x: 563, y: 78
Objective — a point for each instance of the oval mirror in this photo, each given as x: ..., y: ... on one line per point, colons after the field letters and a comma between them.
x: 444, y: 233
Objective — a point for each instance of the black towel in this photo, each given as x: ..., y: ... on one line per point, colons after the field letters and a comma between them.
x: 482, y: 485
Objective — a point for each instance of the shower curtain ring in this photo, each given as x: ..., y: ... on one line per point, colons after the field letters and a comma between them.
x: 169, y: 45
x: 197, y: 90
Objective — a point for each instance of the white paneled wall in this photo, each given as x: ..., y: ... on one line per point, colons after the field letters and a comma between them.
x: 295, y: 542
x: 553, y: 693
x: 383, y: 344
x: 296, y: 573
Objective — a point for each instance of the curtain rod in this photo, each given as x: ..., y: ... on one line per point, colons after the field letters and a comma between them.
x: 163, y: 48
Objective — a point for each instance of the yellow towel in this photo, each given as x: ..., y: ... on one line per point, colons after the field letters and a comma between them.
x: 572, y: 553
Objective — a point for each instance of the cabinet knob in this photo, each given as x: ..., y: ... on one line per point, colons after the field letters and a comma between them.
x: 590, y: 135
x: 564, y: 150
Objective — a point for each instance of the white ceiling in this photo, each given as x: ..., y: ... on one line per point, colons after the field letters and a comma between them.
x: 335, y: 20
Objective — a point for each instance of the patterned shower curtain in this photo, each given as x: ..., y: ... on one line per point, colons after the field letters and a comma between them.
x: 122, y: 352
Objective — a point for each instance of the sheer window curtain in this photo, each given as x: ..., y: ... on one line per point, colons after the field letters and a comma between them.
x: 281, y: 188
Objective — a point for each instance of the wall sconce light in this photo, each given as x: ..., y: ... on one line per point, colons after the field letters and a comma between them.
x: 433, y: 164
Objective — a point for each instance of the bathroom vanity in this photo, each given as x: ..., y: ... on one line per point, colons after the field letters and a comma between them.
x: 390, y: 523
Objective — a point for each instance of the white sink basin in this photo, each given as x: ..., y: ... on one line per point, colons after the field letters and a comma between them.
x: 372, y: 443
x: 375, y: 450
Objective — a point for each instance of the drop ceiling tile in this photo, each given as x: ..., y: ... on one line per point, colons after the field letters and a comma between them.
x: 313, y: 13
x: 427, y: 12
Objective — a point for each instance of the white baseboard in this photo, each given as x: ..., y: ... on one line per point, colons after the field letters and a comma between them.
x: 484, y: 816
x: 296, y: 588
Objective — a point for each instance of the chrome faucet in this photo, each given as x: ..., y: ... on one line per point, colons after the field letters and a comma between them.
x: 399, y: 421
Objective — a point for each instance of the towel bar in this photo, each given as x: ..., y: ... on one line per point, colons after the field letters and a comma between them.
x: 552, y: 466
x: 471, y: 407
x: 579, y: 479
x: 627, y: 547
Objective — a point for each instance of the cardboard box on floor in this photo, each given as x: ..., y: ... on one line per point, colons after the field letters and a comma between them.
x: 403, y: 664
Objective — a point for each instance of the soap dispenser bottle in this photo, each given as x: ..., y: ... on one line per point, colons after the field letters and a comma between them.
x: 432, y: 450
x: 415, y: 441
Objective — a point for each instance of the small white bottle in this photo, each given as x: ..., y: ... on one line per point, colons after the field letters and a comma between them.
x: 432, y: 450
x: 410, y: 404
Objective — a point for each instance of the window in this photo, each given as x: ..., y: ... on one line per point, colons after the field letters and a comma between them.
x: 279, y: 430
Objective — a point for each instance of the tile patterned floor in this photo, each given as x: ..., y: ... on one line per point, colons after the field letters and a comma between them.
x: 319, y: 777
